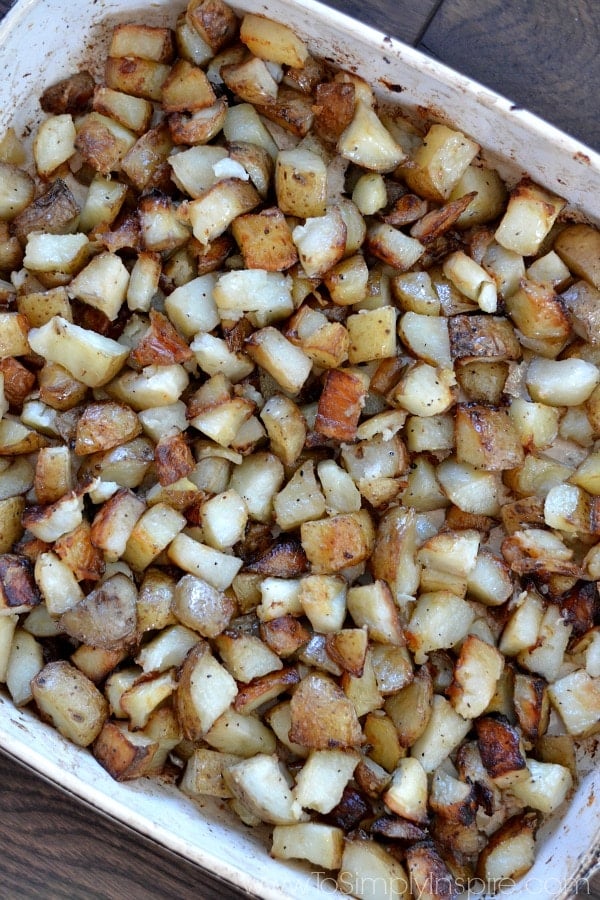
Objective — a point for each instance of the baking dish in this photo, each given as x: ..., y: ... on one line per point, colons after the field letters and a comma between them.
x: 42, y: 42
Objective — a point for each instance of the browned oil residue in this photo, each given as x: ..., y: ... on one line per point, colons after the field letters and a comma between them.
x: 395, y: 88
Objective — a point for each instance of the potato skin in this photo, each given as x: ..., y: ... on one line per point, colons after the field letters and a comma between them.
x: 68, y: 699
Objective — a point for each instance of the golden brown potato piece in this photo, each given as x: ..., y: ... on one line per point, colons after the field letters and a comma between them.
x: 265, y: 240
x: 340, y: 405
x: 498, y: 743
x: 160, y: 344
x: 72, y: 94
x: 18, y: 590
x: 105, y: 425
x: 323, y: 718
x: 54, y: 212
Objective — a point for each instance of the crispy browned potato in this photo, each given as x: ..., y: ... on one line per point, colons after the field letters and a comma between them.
x: 72, y: 94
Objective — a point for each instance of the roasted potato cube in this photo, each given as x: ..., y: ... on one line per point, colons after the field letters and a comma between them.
x: 67, y: 698
x: 393, y: 247
x: 510, y: 851
x: 576, y: 696
x: 273, y: 41
x: 220, y: 204
x: 251, y: 80
x: 301, y: 183
x: 200, y: 126
x: 137, y: 76
x: 90, y: 357
x: 145, y: 41
x: 103, y: 142
x: 485, y: 438
x: 214, y: 21
x: 151, y: 150
x: 133, y: 113
x: 476, y: 673
x: 368, y: 143
x: 54, y: 143
x: 265, y: 240
x: 17, y: 191
x: 365, y: 863
x: 261, y: 785
x: 332, y: 721
x: 578, y: 247
x: 205, y: 691
x: 316, y: 842
x: 440, y: 162
x: 339, y: 542
x: 106, y: 617
x: 530, y: 215
x: 186, y: 88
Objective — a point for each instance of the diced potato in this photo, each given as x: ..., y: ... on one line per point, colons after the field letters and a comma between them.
x: 316, y: 842
x: 323, y: 777
x: 323, y: 600
x: 473, y: 281
x: 137, y: 76
x: 407, y: 793
x: 16, y: 190
x: 393, y: 247
x: 576, y: 696
x: 490, y: 197
x: 205, y: 690
x: 425, y: 390
x: 540, y: 316
x: 530, y: 215
x: 546, y: 788
x: 214, y: 211
x: 485, y: 438
x: 265, y: 294
x: 243, y: 124
x: 287, y: 364
x: 273, y: 41
x: 155, y: 529
x: 134, y: 113
x: 54, y: 143
x: 154, y: 386
x: 476, y: 673
x: 444, y: 731
x: 426, y: 337
x: 25, y: 662
x: 440, y: 162
x: 366, y: 863
x: 321, y: 242
x: 577, y: 246
x: 90, y: 357
x: 372, y: 335
x: 510, y: 851
x: 218, y: 569
x: 71, y: 701
x: 334, y: 544
x: 368, y: 143
x: 322, y: 716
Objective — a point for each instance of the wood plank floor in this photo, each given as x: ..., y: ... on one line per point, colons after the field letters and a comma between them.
x: 543, y: 55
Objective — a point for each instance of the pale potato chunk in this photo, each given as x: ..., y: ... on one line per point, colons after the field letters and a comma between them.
x: 90, y: 357
x: 530, y: 215
x: 316, y: 842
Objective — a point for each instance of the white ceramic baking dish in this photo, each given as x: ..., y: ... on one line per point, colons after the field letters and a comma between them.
x: 44, y: 40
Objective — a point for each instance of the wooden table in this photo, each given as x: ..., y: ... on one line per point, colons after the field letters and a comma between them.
x: 543, y: 55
